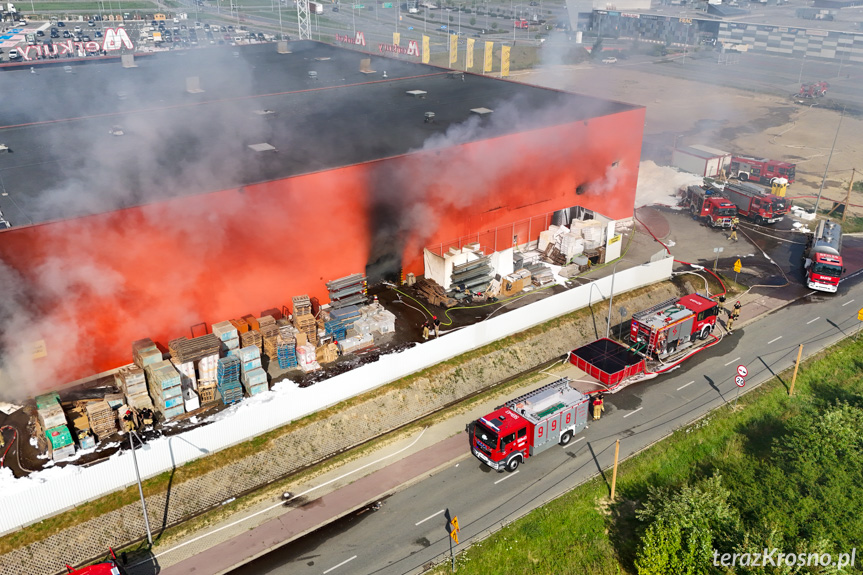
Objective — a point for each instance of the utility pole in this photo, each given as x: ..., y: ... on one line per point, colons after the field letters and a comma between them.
x: 796, y: 365
x: 833, y: 147
x: 848, y: 195
x: 614, y: 473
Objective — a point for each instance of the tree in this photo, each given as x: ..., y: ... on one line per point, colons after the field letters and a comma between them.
x: 494, y: 25
x: 472, y: 21
x: 451, y: 18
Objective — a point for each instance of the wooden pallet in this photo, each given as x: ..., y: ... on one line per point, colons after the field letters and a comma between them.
x: 103, y: 421
x: 434, y: 293
x: 184, y: 349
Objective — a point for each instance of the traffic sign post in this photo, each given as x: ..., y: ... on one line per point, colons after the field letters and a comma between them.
x: 860, y: 317
x: 737, y: 267
x: 740, y: 378
x: 453, y: 529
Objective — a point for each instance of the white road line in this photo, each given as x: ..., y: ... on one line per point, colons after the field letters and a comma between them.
x: 432, y: 516
x: 774, y: 339
x: 685, y: 385
x: 237, y: 522
x: 811, y: 320
x: 577, y: 440
x: 732, y: 361
x: 632, y: 412
x: 340, y: 564
x: 516, y: 472
x: 848, y: 302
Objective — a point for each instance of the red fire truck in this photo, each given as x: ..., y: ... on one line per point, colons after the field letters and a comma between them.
x: 673, y: 325
x: 710, y: 207
x: 522, y: 24
x: 528, y: 425
x: 760, y: 169
x: 110, y: 567
x: 813, y: 90
x: 755, y: 203
x: 822, y: 264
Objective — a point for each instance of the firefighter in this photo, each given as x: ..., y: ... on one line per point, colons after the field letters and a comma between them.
x: 735, y: 315
x: 128, y: 420
x: 426, y: 330
x: 436, y: 326
x: 598, y: 406
x: 733, y: 235
x: 722, y: 309
x: 147, y: 416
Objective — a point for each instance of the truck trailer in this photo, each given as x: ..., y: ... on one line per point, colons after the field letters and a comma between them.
x: 755, y: 203
x: 822, y: 262
x: 528, y: 425
x: 709, y: 206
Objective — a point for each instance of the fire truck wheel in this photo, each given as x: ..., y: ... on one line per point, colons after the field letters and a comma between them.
x: 566, y: 438
x: 513, y: 463
x: 705, y: 331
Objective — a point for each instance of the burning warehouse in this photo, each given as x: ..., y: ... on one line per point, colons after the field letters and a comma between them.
x: 149, y: 201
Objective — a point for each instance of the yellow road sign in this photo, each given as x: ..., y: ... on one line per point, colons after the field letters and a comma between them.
x: 738, y: 266
x: 454, y: 536
x: 860, y: 314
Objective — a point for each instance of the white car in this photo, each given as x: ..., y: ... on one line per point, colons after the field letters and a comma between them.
x: 610, y: 60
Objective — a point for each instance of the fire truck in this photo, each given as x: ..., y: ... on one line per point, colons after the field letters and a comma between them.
x: 521, y: 24
x: 755, y: 203
x: 110, y: 567
x: 528, y: 425
x: 813, y: 90
x: 710, y: 207
x: 760, y: 169
x: 822, y: 264
x: 673, y: 325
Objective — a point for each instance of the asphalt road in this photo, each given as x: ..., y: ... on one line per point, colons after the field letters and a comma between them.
x: 408, y: 530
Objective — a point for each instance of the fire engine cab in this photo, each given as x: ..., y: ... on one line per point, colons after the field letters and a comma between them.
x: 822, y: 262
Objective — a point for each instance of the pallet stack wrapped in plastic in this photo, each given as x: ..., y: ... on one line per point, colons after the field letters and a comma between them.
x: 103, y: 422
x: 188, y: 379
x: 60, y: 443
x: 166, y: 389
x: 145, y: 352
x: 206, y: 369
x: 53, y: 422
x: 303, y: 319
x: 254, y: 378
x: 131, y: 381
x: 307, y: 358
x: 228, y: 380
x: 228, y: 335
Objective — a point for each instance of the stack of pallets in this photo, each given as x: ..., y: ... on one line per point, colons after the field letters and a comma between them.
x: 434, y: 293
x: 184, y: 350
x: 286, y: 353
x: 228, y: 380
x: 103, y: 422
x: 130, y: 379
x: 349, y: 290
x: 270, y: 335
x: 252, y: 337
x: 166, y: 389
x: 145, y: 352
x: 303, y: 319
x: 228, y: 335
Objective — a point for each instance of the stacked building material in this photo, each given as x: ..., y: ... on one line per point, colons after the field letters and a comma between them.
x: 184, y: 350
x: 207, y: 394
x: 373, y: 319
x: 356, y: 342
x: 286, y: 353
x: 526, y: 259
x: 307, y: 358
x: 571, y: 245
x: 228, y: 335
x: 250, y: 358
x: 207, y: 370
x: 270, y: 335
x: 49, y: 411
x: 346, y: 291
x: 302, y: 305
x: 145, y: 352
x: 591, y: 230
x: 306, y: 324
x: 103, y: 422
x: 166, y: 389
x: 191, y: 401
x: 432, y: 291
x: 553, y: 255
x: 228, y: 380
x: 60, y: 443
x: 474, y: 275
x: 542, y: 276
x: 241, y: 325
x: 131, y: 381
x: 186, y: 370
x: 253, y: 322
x: 254, y: 379
x: 327, y: 353
x: 252, y: 337
x: 341, y: 320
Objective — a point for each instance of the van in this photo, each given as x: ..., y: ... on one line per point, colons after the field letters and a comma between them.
x: 14, y: 54
x: 31, y: 39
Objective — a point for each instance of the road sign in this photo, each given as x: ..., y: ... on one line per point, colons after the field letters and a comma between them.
x: 455, y: 523
x: 738, y: 266
x: 742, y: 371
x: 860, y: 314
x: 739, y: 381
x: 387, y: 5
x: 359, y: 6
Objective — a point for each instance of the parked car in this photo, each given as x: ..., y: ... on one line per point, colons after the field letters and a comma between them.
x: 609, y: 60
x: 61, y: 24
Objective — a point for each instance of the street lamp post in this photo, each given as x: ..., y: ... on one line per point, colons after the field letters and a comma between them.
x: 140, y: 488
x: 827, y: 167
x: 611, y: 297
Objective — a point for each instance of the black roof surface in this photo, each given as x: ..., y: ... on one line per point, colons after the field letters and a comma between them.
x: 65, y: 162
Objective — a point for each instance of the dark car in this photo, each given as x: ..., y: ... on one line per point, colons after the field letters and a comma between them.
x: 91, y: 23
x: 261, y: 36
x: 222, y: 29
x: 55, y: 35
x: 54, y: 30
x: 40, y: 33
x: 85, y: 38
x: 98, y: 33
x: 230, y: 28
x: 61, y: 24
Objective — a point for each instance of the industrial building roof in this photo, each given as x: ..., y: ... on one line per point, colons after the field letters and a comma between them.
x: 91, y: 131
x: 703, y: 152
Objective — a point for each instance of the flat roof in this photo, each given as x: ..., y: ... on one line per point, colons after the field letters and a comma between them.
x: 66, y: 162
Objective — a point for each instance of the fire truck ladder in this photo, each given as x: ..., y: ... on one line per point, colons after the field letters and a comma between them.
x: 520, y: 398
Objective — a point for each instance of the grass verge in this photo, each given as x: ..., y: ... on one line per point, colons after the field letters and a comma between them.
x: 583, y: 532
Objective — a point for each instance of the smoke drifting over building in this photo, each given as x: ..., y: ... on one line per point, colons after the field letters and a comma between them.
x: 179, y: 222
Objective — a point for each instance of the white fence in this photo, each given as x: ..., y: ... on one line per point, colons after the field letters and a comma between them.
x: 28, y: 500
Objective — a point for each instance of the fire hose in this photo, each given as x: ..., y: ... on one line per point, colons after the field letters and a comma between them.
x: 9, y: 446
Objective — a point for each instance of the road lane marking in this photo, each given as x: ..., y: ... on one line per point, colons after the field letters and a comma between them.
x: 632, y: 412
x: 686, y: 385
x: 848, y: 302
x: 432, y: 516
x: 340, y: 564
x: 516, y: 472
x: 577, y: 440
x: 774, y: 339
x: 732, y: 361
x: 811, y: 320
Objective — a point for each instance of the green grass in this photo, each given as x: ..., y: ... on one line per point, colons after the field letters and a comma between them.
x: 584, y: 533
